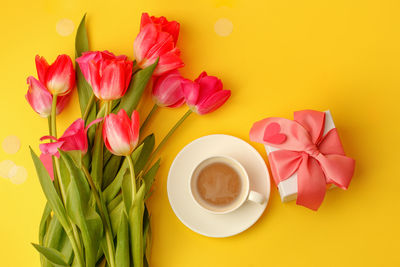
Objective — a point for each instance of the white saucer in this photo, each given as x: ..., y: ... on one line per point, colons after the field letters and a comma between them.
x: 199, y: 220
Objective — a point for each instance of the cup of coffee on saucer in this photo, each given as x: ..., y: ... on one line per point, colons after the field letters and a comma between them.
x: 220, y: 185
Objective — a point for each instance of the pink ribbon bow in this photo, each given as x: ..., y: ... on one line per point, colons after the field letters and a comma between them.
x: 319, y: 160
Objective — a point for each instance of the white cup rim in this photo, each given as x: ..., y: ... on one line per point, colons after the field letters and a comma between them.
x: 244, y: 177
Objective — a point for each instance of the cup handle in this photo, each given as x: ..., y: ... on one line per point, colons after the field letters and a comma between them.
x: 256, y: 197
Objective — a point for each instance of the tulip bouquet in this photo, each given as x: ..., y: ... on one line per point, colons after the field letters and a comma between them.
x: 97, y: 176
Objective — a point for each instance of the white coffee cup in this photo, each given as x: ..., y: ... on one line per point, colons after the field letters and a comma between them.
x: 245, y: 194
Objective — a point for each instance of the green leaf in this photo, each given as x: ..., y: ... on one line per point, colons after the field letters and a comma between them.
x: 85, y: 91
x: 66, y: 248
x: 50, y: 192
x: 111, y: 169
x: 76, y: 156
x: 112, y: 190
x: 149, y: 177
x: 80, y: 212
x: 115, y: 217
x: 127, y: 191
x: 54, y: 234
x: 122, y: 250
x: 81, y: 39
x: 148, y: 147
x: 136, y: 227
x: 43, y: 227
x: 139, y: 82
x: 65, y: 176
x: 44, y: 223
x: 52, y: 255
x: 52, y: 239
x: 114, y: 203
x: 147, y: 240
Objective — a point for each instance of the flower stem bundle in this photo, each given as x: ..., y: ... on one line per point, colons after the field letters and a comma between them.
x: 98, y: 174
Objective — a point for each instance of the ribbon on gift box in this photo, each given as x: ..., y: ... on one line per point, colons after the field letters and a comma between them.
x: 318, y: 159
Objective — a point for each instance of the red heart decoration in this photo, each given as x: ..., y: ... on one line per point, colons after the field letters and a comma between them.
x: 272, y: 134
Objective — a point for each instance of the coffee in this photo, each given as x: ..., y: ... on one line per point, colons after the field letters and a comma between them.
x: 218, y: 184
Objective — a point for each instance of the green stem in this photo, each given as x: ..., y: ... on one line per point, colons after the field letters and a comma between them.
x: 162, y: 143
x: 89, y: 107
x: 72, y: 235
x: 56, y: 178
x: 152, y: 111
x: 133, y: 179
x: 98, y: 147
x: 104, y: 217
x: 54, y: 133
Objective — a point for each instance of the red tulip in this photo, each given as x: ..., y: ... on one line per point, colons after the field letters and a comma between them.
x: 109, y: 75
x: 120, y: 133
x: 59, y: 77
x: 74, y: 138
x: 172, y: 27
x: 40, y: 98
x: 205, y: 94
x: 167, y: 91
x: 157, y: 39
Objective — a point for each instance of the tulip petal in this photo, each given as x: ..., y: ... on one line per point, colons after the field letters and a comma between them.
x: 167, y: 91
x: 46, y: 137
x: 92, y: 123
x: 51, y: 148
x: 60, y: 78
x: 47, y: 161
x: 209, y: 85
x: 62, y: 102
x: 41, y: 67
x: 38, y: 97
x: 112, y: 83
x: 75, y: 127
x: 144, y: 41
x: 135, y: 127
x: 173, y: 29
x: 117, y: 133
x: 164, y: 44
x: 213, y: 102
x: 94, y: 76
x: 145, y: 19
x: 169, y: 61
x: 190, y: 92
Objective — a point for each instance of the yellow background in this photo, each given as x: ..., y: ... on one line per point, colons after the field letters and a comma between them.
x: 282, y: 56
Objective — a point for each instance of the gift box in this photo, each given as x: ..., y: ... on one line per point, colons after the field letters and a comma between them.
x: 305, y: 155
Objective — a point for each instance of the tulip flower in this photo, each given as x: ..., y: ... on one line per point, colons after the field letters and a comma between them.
x: 40, y: 98
x: 59, y: 77
x: 157, y: 39
x: 167, y: 91
x: 205, y: 94
x: 74, y: 138
x: 109, y: 75
x: 120, y: 133
x: 171, y: 27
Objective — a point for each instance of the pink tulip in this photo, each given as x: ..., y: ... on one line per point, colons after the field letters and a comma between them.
x: 120, y: 133
x: 167, y: 91
x: 109, y: 75
x: 59, y: 77
x: 205, y: 94
x: 157, y: 39
x: 40, y: 98
x: 74, y: 138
